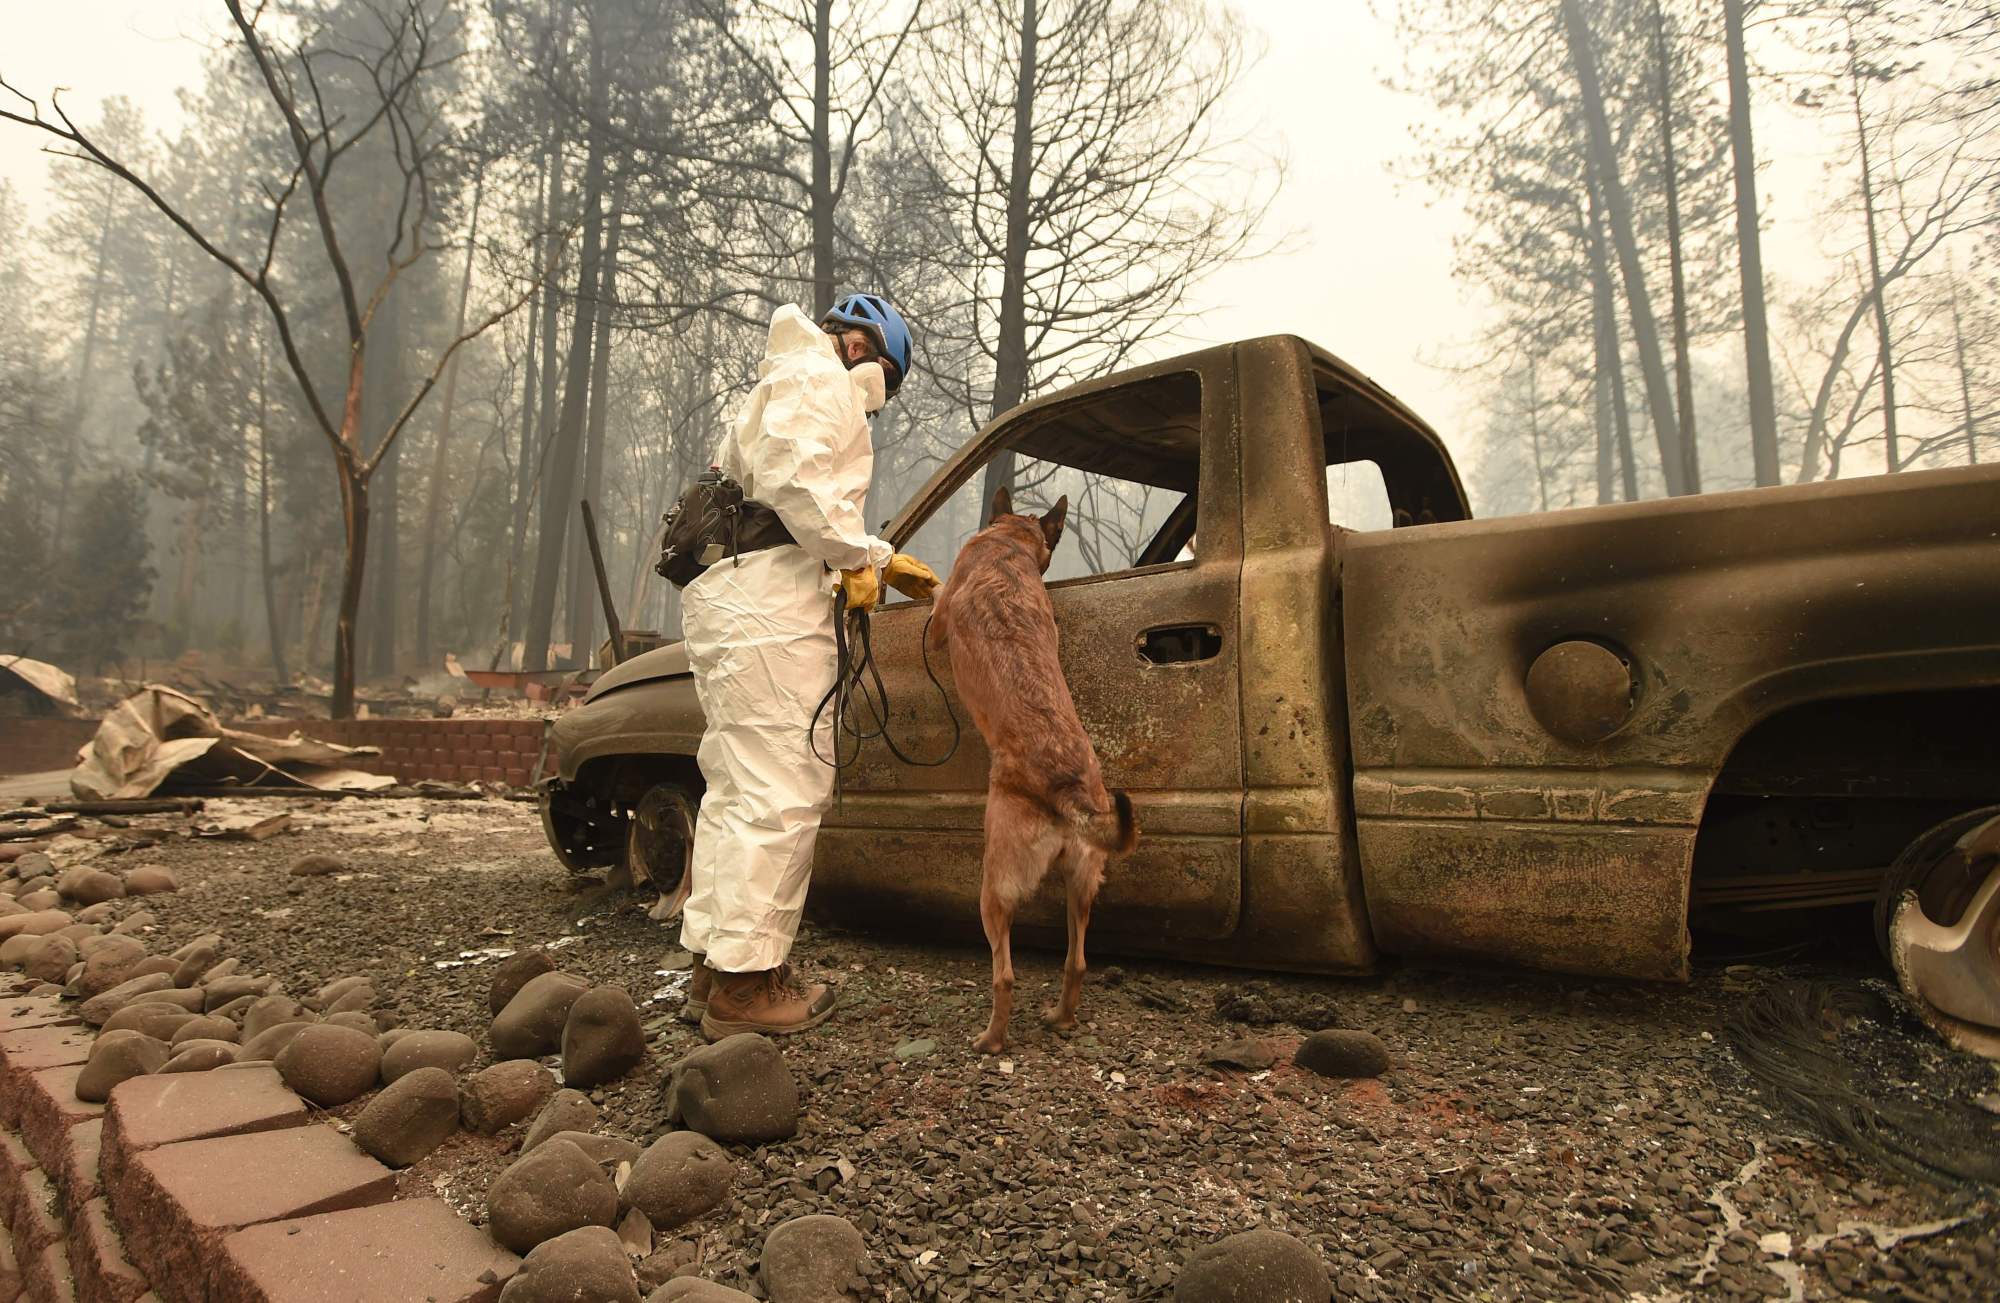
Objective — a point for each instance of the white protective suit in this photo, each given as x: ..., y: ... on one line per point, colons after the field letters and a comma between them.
x: 760, y: 640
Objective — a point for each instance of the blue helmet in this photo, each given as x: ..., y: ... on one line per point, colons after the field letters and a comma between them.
x: 877, y: 316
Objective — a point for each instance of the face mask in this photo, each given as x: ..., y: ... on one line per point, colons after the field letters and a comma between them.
x: 874, y: 386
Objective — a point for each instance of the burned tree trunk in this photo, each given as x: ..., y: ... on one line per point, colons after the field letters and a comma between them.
x: 582, y: 600
x: 559, y: 477
x: 1010, y: 369
x: 822, y: 159
x: 1966, y: 416
x: 239, y: 488
x: 1618, y: 210
x: 1670, y: 179
x: 384, y: 386
x: 1604, y: 323
x: 1884, y: 348
x: 81, y: 407
x: 440, y: 457
x: 271, y: 622
x: 1535, y: 441
x: 354, y: 524
x: 1750, y: 257
x: 1816, y: 423
x: 1610, y: 352
x: 536, y: 393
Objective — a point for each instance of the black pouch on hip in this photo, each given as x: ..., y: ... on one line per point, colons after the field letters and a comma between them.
x: 714, y: 520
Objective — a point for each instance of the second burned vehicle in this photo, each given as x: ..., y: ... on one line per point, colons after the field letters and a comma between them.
x: 1546, y: 740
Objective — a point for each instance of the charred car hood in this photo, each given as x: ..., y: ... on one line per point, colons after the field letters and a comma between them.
x: 667, y: 662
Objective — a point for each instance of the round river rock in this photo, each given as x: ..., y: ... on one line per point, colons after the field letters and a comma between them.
x: 116, y: 1057
x: 602, y: 1039
x: 681, y: 1175
x: 200, y: 1056
x: 153, y: 1017
x: 1338, y: 1053
x: 330, y: 1065
x: 415, y: 1114
x: 272, y: 1011
x: 693, y: 1289
x: 547, y: 1192
x: 206, y: 1027
x: 270, y: 1042
x: 1254, y: 1267
x: 567, y: 1110
x: 451, y: 1051
x: 532, y: 1023
x: 738, y: 1091
x: 586, y: 1263
x: 503, y: 1094
x: 150, y: 880
x: 51, y: 959
x: 812, y: 1260
x: 513, y: 973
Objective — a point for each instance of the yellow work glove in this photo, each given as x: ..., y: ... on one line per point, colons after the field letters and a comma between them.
x: 863, y: 589
x: 910, y: 577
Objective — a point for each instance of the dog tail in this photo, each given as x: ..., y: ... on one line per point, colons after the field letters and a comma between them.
x: 1114, y: 831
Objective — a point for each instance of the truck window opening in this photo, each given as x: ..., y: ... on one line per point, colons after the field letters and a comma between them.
x: 1374, y: 441
x: 1357, y: 497
x: 1128, y: 460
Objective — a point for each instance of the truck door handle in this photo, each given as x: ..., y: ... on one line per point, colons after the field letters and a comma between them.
x: 1180, y: 644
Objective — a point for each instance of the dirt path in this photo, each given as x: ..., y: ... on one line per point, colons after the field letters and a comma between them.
x: 1537, y: 1137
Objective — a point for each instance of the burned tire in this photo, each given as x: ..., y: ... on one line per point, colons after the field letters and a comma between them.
x: 1929, y: 866
x: 659, y: 839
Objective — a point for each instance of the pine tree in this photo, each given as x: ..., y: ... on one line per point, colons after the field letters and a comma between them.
x: 102, y: 578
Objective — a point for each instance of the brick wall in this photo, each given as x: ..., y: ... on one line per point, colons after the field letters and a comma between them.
x: 31, y: 746
x: 451, y: 750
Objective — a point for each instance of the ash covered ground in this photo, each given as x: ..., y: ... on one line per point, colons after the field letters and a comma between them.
x: 1536, y: 1137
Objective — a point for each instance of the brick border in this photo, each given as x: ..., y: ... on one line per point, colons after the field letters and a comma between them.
x: 125, y: 1203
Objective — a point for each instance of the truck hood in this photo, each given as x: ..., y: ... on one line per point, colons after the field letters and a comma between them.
x: 669, y: 662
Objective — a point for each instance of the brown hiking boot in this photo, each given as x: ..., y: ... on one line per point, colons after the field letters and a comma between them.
x: 699, y: 986
x: 773, y: 1002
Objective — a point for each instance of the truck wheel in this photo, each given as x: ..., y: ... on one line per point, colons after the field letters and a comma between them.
x: 1944, y: 922
x: 583, y: 830
x: 1943, y: 880
x: 660, y: 843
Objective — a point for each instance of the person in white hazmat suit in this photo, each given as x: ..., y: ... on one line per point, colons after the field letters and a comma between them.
x: 760, y: 639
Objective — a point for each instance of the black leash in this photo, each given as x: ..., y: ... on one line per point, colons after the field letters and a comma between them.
x: 857, y: 671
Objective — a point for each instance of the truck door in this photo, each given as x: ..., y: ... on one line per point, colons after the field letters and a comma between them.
x: 1303, y: 906
x: 1145, y: 588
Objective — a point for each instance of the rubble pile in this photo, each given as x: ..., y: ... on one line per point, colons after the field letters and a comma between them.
x: 32, y: 689
x: 236, y: 692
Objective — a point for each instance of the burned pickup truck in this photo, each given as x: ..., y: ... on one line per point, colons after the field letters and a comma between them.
x: 1355, y: 721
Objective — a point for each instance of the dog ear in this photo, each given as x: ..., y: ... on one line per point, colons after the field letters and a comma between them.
x: 1003, y: 502
x: 1052, y: 522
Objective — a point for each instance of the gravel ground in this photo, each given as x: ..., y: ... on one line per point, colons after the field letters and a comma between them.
x: 1536, y: 1137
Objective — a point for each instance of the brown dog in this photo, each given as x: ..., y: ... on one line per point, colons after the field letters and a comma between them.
x: 1046, y: 803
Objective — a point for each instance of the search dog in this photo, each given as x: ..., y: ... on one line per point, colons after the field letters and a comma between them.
x: 1046, y: 803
